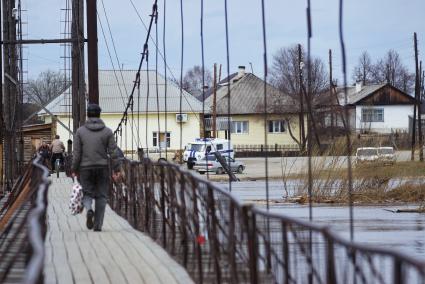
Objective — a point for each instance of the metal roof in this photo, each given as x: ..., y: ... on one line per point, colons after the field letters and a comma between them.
x: 353, y: 96
x: 115, y: 87
x: 247, y: 97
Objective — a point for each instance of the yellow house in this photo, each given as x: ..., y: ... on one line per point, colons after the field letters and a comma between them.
x: 156, y: 120
x: 246, y: 115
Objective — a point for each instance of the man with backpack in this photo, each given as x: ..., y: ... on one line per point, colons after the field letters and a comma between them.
x: 93, y: 142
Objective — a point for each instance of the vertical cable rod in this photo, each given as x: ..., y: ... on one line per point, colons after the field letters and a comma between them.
x: 203, y: 85
x: 266, y: 155
x: 347, y: 119
x: 165, y: 81
x: 181, y: 78
x: 228, y: 83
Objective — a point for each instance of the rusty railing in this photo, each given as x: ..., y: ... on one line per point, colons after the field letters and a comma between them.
x: 23, y: 227
x: 218, y: 239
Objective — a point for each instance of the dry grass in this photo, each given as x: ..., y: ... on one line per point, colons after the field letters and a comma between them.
x: 372, y: 184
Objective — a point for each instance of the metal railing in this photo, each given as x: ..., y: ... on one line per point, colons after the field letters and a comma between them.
x: 218, y: 239
x: 23, y: 227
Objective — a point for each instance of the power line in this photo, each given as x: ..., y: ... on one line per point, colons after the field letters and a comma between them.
x: 120, y: 69
x: 114, y: 70
x: 163, y: 56
x: 145, y: 46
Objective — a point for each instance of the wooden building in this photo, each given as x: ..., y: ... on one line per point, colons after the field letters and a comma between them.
x: 34, y: 135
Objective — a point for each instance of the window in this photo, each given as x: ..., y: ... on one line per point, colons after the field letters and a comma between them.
x: 162, y: 141
x: 219, y: 147
x: 277, y: 126
x: 239, y: 126
x: 372, y: 115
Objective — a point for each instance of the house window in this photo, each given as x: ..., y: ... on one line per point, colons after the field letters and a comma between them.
x: 372, y: 115
x: 239, y: 126
x: 219, y: 147
x: 163, y: 138
x: 277, y: 126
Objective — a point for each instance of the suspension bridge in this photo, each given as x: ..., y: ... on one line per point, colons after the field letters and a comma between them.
x: 163, y: 224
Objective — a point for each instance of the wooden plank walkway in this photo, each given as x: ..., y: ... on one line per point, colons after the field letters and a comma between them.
x: 118, y: 254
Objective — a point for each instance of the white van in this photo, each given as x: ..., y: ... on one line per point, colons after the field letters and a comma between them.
x: 196, y: 150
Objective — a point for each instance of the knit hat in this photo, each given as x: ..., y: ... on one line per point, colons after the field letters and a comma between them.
x: 93, y: 110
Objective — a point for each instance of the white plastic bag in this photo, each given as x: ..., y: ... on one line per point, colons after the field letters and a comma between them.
x: 76, y: 200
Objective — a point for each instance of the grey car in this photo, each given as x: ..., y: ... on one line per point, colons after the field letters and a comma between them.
x: 213, y: 165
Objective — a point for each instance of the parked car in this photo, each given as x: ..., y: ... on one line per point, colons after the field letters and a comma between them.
x: 386, y: 155
x: 366, y: 155
x: 377, y: 155
x: 211, y: 164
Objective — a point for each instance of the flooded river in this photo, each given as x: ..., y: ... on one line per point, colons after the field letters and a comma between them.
x: 373, y: 225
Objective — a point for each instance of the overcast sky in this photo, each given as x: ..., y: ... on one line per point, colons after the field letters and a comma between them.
x: 372, y: 25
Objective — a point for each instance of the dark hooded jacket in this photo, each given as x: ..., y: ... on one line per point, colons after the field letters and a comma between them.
x: 93, y: 142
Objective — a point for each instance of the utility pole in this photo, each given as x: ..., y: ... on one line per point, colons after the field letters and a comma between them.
x: 214, y: 123
x: 301, y: 115
x: 412, y: 155
x: 331, y: 94
x: 78, y: 82
x: 421, y: 146
x: 92, y: 51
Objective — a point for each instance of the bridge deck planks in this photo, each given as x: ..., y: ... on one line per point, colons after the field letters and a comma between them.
x: 118, y: 254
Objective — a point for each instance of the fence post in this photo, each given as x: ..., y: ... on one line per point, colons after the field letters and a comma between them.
x: 214, y: 234
x: 134, y: 193
x: 285, y: 253
x: 232, y: 244
x: 398, y: 272
x: 183, y: 218
x: 164, y: 219
x: 250, y: 227
x: 330, y: 262
x: 198, y: 249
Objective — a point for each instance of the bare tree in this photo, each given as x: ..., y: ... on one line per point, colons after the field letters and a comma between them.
x: 364, y: 70
x: 192, y: 81
x: 291, y: 76
x: 391, y: 70
x: 47, y: 86
x: 286, y: 68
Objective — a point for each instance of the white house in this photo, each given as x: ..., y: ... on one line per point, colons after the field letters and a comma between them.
x: 154, y: 123
x: 380, y: 108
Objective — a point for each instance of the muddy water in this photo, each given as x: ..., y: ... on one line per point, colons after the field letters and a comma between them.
x: 373, y: 225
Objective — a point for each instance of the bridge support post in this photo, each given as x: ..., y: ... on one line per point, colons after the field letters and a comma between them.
x: 92, y: 53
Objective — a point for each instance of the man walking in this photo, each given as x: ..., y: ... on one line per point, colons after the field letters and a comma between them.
x: 93, y: 142
x: 57, y: 148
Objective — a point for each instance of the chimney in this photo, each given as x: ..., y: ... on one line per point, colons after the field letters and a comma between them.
x: 241, y: 71
x: 359, y: 86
